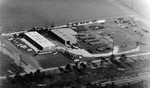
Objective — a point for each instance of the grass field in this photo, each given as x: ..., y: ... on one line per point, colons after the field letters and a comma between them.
x: 7, y: 65
x: 34, y: 13
x: 140, y: 6
x: 50, y: 60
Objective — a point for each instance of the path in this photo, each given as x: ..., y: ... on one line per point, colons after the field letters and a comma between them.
x: 84, y: 53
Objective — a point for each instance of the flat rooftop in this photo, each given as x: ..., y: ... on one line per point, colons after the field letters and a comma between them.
x: 39, y: 39
x: 65, y: 33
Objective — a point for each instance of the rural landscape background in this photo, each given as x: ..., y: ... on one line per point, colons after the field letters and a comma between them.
x: 32, y: 13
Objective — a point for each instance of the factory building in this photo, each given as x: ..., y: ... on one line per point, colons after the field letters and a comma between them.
x: 39, y: 41
x: 65, y: 35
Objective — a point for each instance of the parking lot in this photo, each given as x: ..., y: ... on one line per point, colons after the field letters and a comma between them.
x: 43, y: 60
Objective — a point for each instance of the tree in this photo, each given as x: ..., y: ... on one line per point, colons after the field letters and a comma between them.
x: 83, y: 65
x: 61, y: 69
x: 112, y: 57
x: 123, y: 58
x: 68, y: 67
x: 77, y: 69
x: 94, y: 65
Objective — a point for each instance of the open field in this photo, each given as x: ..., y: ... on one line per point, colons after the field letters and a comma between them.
x: 34, y: 13
x: 7, y: 66
x: 50, y: 60
x: 140, y: 6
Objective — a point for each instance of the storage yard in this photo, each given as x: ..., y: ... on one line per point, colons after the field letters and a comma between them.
x: 116, y: 33
x: 94, y: 37
x: 74, y: 44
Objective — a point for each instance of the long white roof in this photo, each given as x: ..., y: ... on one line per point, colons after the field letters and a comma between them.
x: 65, y: 33
x: 38, y: 38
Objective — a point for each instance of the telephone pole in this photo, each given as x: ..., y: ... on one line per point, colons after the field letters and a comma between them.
x: 13, y: 65
x: 20, y: 57
x: 112, y: 44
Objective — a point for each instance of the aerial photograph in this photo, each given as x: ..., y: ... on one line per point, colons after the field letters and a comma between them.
x: 74, y: 43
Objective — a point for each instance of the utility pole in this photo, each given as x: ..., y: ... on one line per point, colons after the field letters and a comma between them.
x: 112, y: 42
x: 112, y: 45
x: 20, y: 57
x: 12, y: 65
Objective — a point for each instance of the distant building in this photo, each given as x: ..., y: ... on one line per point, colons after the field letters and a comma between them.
x: 39, y: 41
x: 65, y: 35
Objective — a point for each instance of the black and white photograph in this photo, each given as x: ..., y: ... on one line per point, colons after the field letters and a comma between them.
x: 74, y: 43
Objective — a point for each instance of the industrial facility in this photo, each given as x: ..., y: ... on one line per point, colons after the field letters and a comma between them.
x: 40, y: 42
x: 65, y: 35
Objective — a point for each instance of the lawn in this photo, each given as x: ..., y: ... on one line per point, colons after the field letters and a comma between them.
x: 7, y: 65
x: 50, y: 60
x: 35, y: 12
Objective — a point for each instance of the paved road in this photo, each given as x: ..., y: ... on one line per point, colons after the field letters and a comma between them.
x: 84, y: 53
x: 56, y: 68
x: 126, y: 80
x: 119, y: 81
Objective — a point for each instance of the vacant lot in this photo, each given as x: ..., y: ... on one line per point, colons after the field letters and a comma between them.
x: 140, y: 6
x: 50, y: 60
x: 32, y: 13
x: 7, y: 65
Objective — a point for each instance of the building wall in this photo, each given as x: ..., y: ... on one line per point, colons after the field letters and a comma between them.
x: 46, y: 48
x: 62, y: 40
x: 72, y: 41
x: 59, y: 38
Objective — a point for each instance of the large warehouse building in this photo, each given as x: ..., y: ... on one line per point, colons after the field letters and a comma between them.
x: 40, y: 42
x: 65, y: 35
